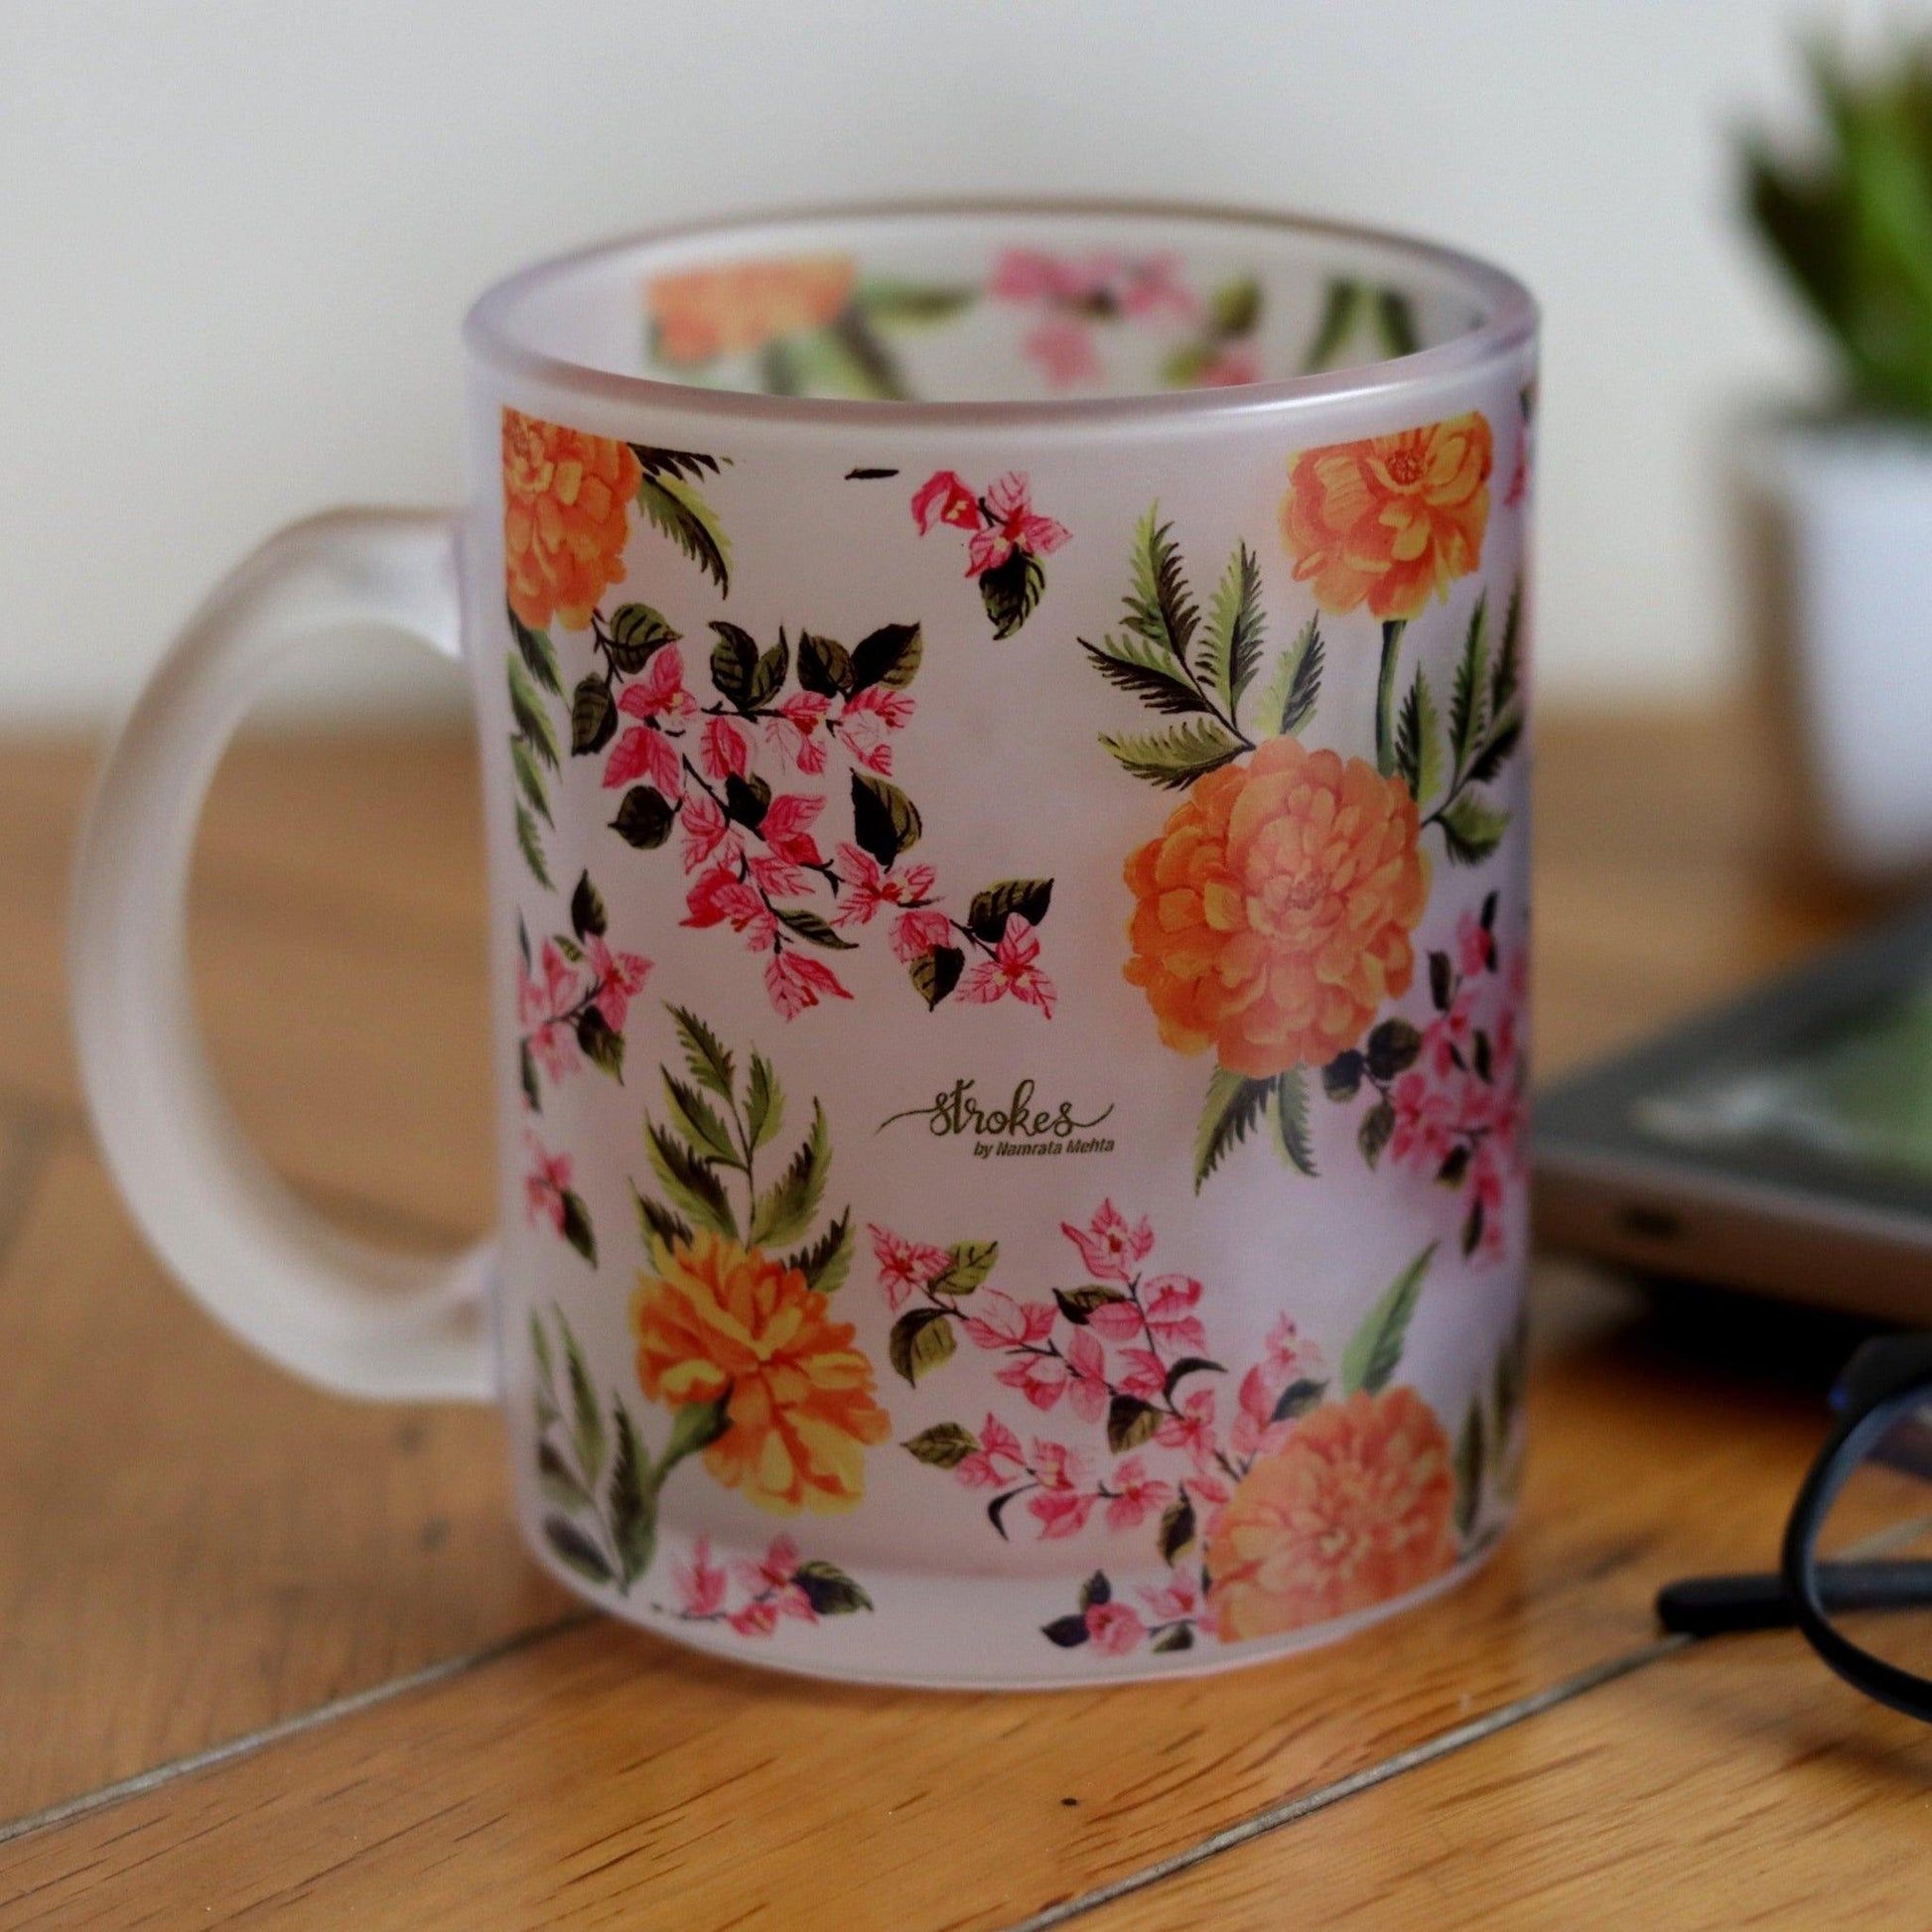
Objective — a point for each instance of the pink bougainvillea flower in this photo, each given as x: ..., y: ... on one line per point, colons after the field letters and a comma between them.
x: 798, y: 731
x: 1086, y: 1369
x: 1475, y: 945
x: 996, y: 1462
x: 1120, y: 1321
x: 1014, y: 968
x: 757, y: 1619
x: 1031, y: 275
x: 1179, y: 1598
x: 1062, y: 1502
x: 708, y: 833
x: 620, y: 978
x: 794, y: 982
x: 870, y: 887
x: 770, y: 1578
x: 1113, y: 1630
x: 542, y: 1005
x: 944, y: 499
x: 892, y: 709
x: 778, y: 878
x: 1152, y: 287
x: 719, y: 897
x: 785, y: 828
x: 1291, y: 1354
x: 905, y: 1266
x: 659, y: 692
x: 1424, y: 1123
x: 1042, y: 1379
x: 547, y: 1185
x: 1143, y: 1373
x: 700, y: 1584
x: 643, y: 752
x: 724, y: 750
x: 919, y: 932
x: 1111, y: 1249
x: 997, y: 1320
x: 1014, y: 528
x: 1170, y: 1300
x: 1062, y: 348
x: 1138, y: 1494
x: 1192, y: 1429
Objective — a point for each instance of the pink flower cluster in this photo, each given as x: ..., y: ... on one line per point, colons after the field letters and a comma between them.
x: 1075, y: 293
x: 546, y: 1187
x: 768, y: 1588
x: 999, y: 523
x: 551, y: 1000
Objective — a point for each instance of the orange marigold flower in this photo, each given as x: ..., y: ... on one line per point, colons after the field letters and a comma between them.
x: 801, y: 1408
x: 707, y: 312
x: 1272, y: 915
x: 1391, y: 520
x: 565, y: 505
x: 1353, y: 1510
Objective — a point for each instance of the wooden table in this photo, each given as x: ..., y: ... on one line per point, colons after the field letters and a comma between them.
x: 274, y: 1658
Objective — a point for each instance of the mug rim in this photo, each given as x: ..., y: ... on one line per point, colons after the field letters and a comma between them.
x: 489, y: 336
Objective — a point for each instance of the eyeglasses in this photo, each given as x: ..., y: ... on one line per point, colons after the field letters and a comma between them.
x: 1856, y: 1575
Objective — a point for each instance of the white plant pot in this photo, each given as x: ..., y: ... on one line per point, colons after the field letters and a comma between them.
x: 1839, y: 571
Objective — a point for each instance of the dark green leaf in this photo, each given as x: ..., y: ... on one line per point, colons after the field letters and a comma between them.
x: 682, y: 513
x: 586, y: 1413
x: 693, y: 465
x: 890, y: 656
x: 824, y: 667
x: 524, y: 941
x: 1372, y: 1136
x: 1096, y: 1590
x: 1070, y: 1632
x: 1180, y: 1637
x: 539, y: 654
x: 1148, y: 671
x: 812, y: 926
x: 644, y: 818
x: 747, y: 799
x: 1482, y: 1056
x: 884, y: 822
x: 637, y: 633
x: 1078, y: 1303
x: 1234, y: 308
x: 1456, y: 1165
x: 1441, y: 981
x: 1298, y: 1399
x: 704, y: 1052
x: 1497, y: 752
x: 1189, y: 1365
x: 827, y: 1261
x: 1177, y: 1528
x: 1295, y: 687
x: 1419, y: 742
x: 529, y: 780
x: 699, y: 1121
x: 1161, y: 608
x: 576, y: 1549
x: 1010, y: 589
x: 527, y: 1073
x: 987, y: 917
x: 1374, y: 1351
x: 787, y: 1207
x: 828, y: 1590
x: 909, y: 304
x: 558, y: 1480
x: 765, y: 1103
x: 601, y: 1045
x: 935, y: 973
x: 658, y: 1226
x: 569, y: 947
x: 531, y: 846
x: 1472, y: 830
x: 1175, y: 757
x: 770, y: 673
x: 1290, y: 1118
x: 696, y: 1425
x: 633, y: 1530
x: 1340, y: 304
x: 1394, y: 1047
x: 968, y: 1263
x: 734, y: 663
x: 577, y: 1229
x: 1472, y: 1227
x: 1231, y: 647
x: 921, y: 1339
x: 588, y: 916
x: 1234, y: 1104
x: 945, y: 1446
x: 1507, y: 675
x: 532, y: 724
x: 1395, y: 322
x: 689, y: 1182
x: 1130, y: 1423
x: 997, y: 1507
x: 592, y: 716
x: 1468, y: 1470
x: 1341, y: 1078
x: 1469, y: 697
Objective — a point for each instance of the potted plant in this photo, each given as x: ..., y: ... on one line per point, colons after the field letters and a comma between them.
x: 1842, y: 496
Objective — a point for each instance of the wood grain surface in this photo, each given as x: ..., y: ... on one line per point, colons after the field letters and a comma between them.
x: 199, y: 1556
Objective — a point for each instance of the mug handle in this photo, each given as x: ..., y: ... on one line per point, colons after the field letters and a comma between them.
x: 330, y: 1308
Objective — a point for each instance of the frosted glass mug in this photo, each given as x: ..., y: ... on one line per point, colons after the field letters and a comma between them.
x: 1003, y: 742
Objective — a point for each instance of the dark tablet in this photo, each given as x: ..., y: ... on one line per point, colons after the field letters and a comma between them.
x: 1782, y: 1143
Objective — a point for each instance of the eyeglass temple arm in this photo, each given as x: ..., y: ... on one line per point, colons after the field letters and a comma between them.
x: 1710, y: 1606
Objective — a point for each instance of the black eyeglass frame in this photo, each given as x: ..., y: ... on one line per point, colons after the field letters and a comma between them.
x: 1884, y: 1384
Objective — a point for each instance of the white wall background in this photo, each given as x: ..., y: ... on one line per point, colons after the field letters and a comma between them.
x: 236, y: 237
